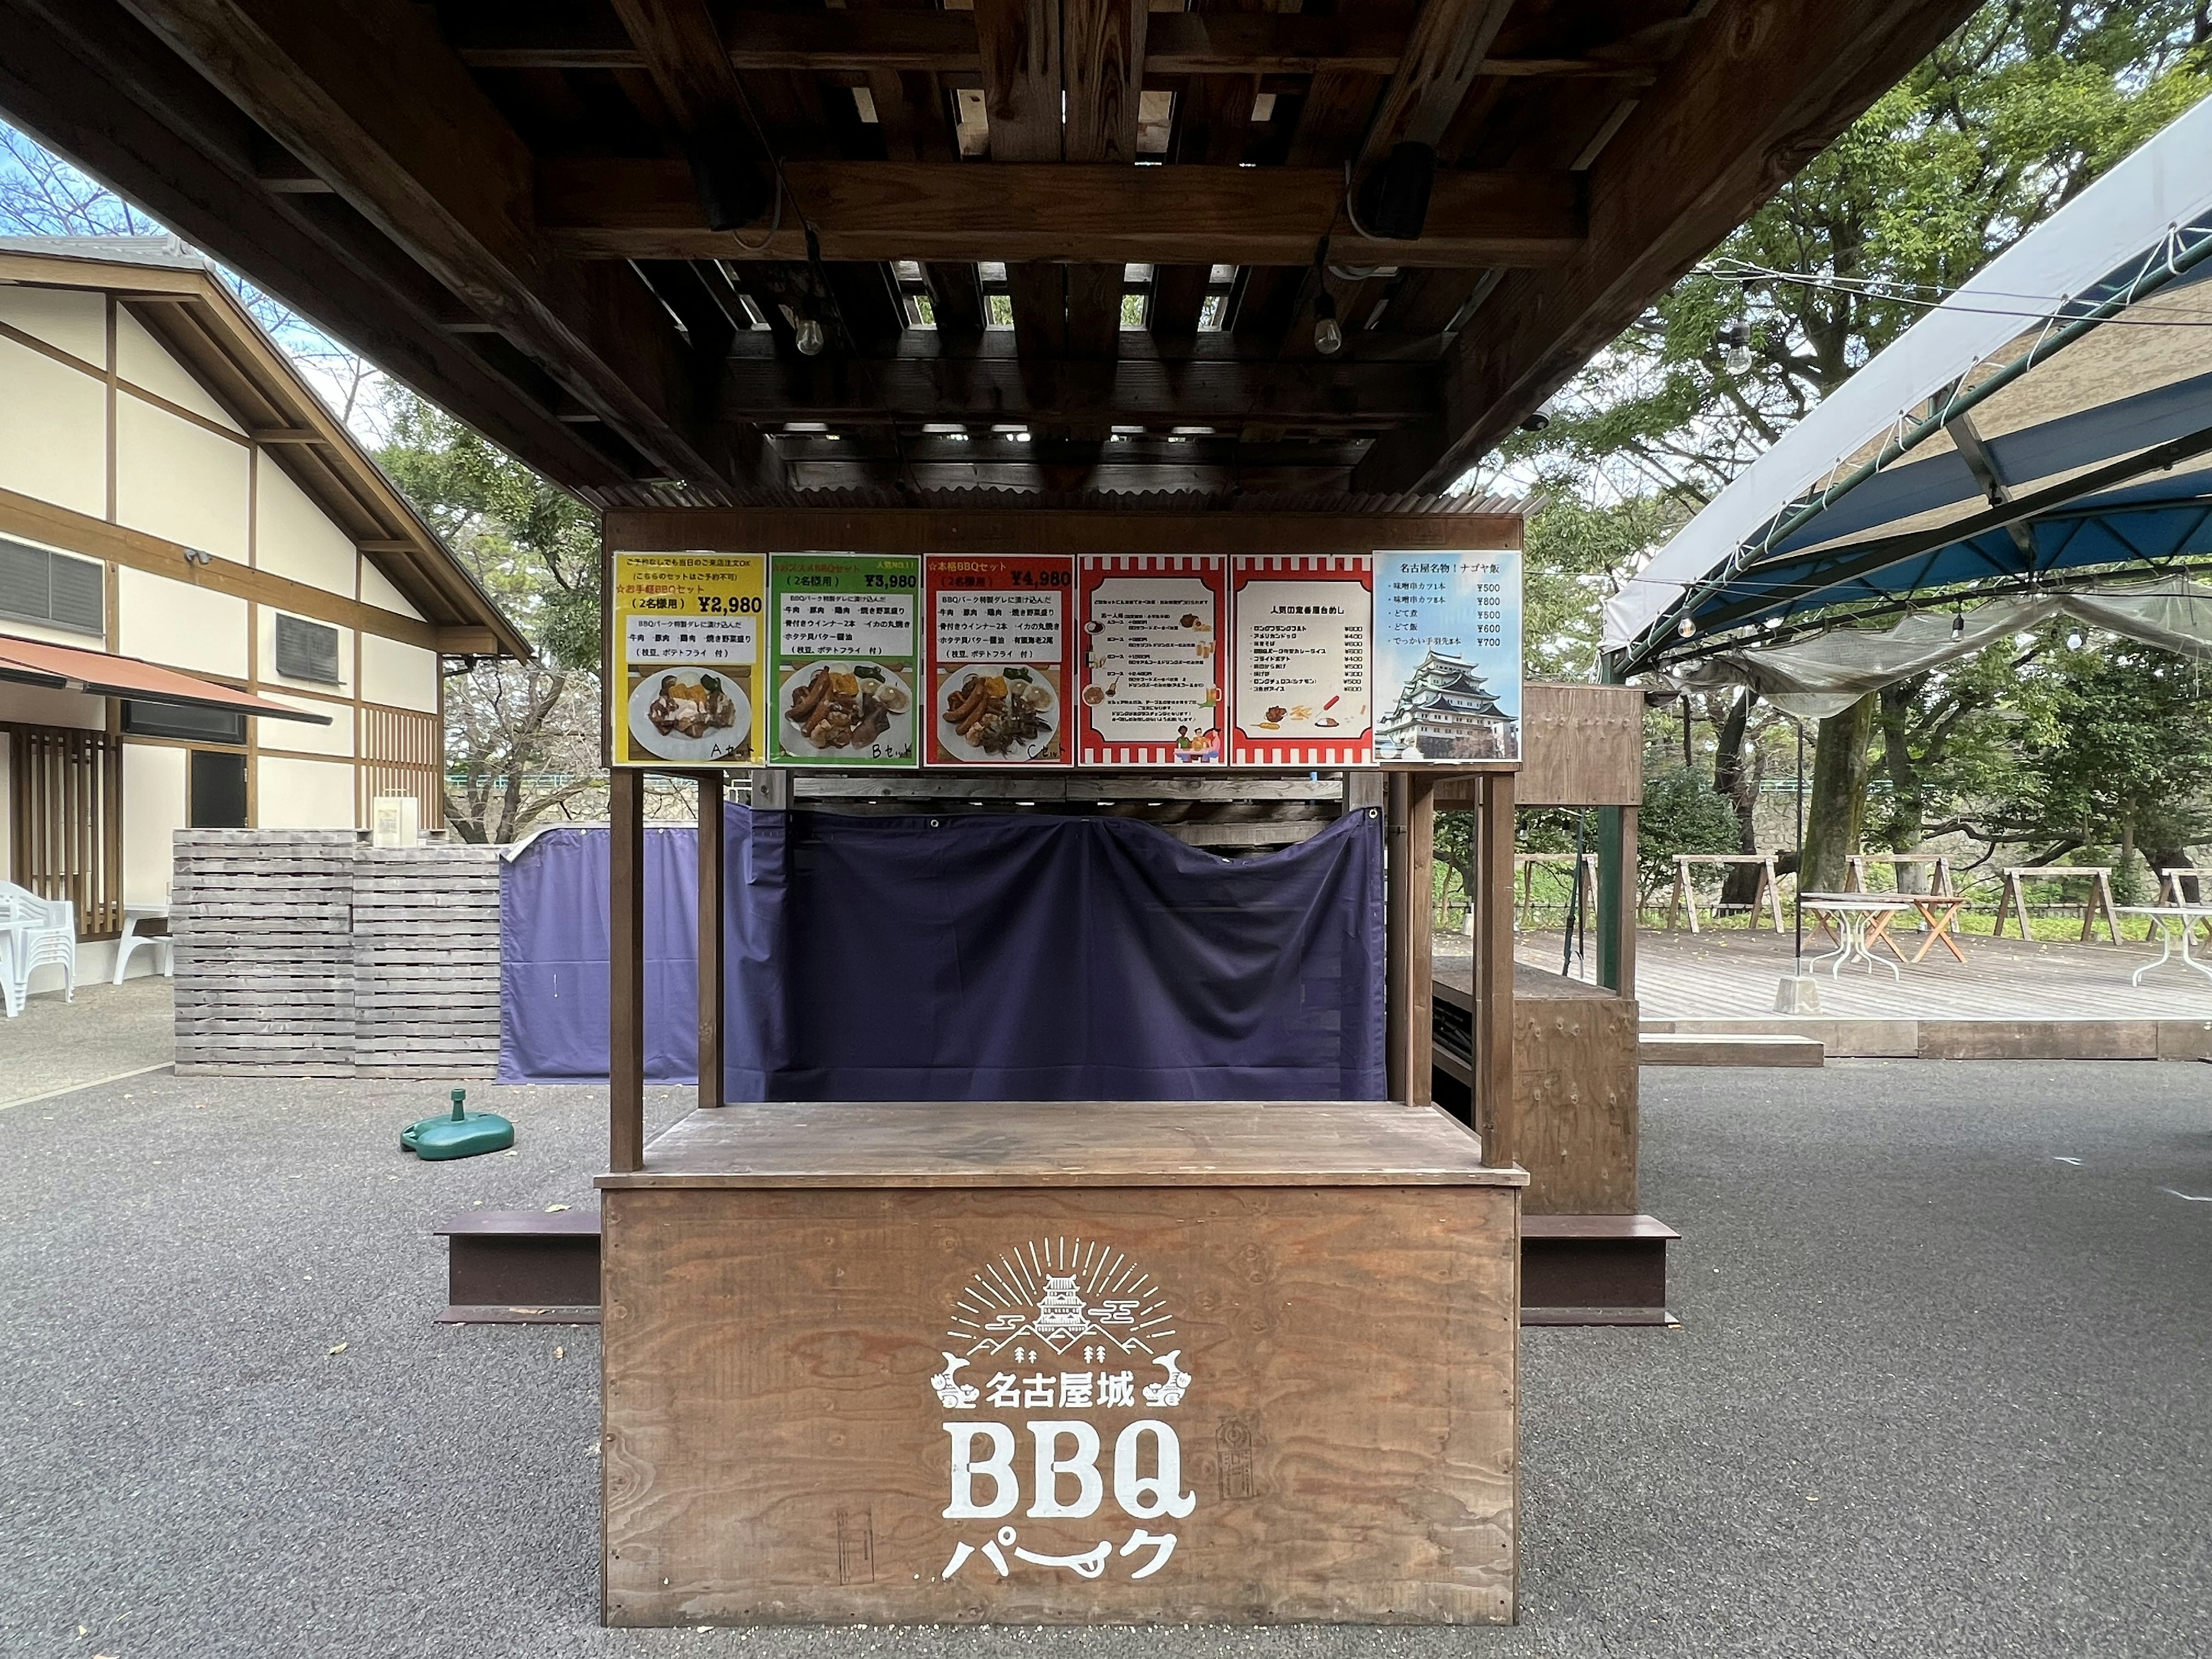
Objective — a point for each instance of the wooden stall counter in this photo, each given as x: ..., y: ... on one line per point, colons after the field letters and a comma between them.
x: 1097, y: 1363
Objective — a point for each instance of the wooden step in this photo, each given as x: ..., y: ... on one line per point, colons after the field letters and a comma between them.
x: 522, y: 1266
x: 1713, y: 1048
x: 1595, y: 1270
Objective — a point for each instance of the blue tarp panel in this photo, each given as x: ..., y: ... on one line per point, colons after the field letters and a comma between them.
x: 968, y: 958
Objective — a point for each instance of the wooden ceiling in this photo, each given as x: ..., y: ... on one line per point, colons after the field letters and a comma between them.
x: 1059, y: 245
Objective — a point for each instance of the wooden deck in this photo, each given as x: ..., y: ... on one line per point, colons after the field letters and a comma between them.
x: 2010, y: 1000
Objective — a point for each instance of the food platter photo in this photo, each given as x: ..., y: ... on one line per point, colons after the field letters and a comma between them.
x: 997, y: 714
x: 840, y: 707
x: 695, y: 712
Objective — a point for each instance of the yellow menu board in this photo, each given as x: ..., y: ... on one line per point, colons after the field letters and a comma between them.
x: 687, y: 649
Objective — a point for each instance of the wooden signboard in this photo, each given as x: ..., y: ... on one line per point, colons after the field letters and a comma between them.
x: 1002, y: 634
x: 1302, y: 658
x: 689, y: 639
x: 1013, y: 1362
x: 1154, y: 665
x: 847, y: 661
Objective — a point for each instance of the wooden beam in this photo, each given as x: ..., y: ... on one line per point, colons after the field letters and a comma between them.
x: 876, y: 210
x: 368, y: 94
x: 944, y: 43
x: 1759, y: 89
x: 1102, y: 52
x: 1442, y: 57
x: 986, y: 389
x: 94, y: 85
x: 1018, y: 51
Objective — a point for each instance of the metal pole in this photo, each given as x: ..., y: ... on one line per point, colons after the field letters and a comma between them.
x: 1797, y: 887
x: 1574, y: 916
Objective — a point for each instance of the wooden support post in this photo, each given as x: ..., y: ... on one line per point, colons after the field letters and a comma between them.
x: 710, y: 940
x: 1397, y: 927
x: 1493, y: 972
x: 1411, y: 892
x: 626, y: 971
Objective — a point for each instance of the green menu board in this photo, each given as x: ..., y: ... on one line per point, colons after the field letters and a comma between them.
x: 844, y: 670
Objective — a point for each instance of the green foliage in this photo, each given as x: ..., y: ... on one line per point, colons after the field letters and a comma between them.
x: 2122, y: 754
x: 1681, y: 813
x: 2007, y: 120
x: 535, y: 548
x: 1575, y: 553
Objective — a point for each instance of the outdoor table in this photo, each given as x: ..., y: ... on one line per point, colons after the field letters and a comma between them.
x: 162, y: 945
x: 1110, y: 1362
x: 1854, y: 915
x: 1938, y: 911
x: 2172, y: 922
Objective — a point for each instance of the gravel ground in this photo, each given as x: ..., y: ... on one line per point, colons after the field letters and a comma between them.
x: 108, y: 1031
x: 1940, y: 1388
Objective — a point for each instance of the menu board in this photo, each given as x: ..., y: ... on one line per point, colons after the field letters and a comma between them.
x: 1153, y: 676
x: 687, y: 637
x: 1302, y: 656
x: 1447, y: 656
x: 1001, y: 630
x: 845, y: 663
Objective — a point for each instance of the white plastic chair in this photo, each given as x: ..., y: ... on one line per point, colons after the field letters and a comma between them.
x: 42, y: 933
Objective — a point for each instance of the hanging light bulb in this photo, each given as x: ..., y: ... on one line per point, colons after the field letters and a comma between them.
x: 1735, y: 342
x: 1328, y: 338
x: 2073, y: 641
x: 1957, y: 624
x: 806, y: 334
x: 1688, y: 630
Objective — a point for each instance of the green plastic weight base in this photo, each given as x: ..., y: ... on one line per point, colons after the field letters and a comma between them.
x: 461, y: 1134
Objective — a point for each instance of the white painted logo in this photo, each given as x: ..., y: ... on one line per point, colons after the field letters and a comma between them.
x: 1058, y: 1327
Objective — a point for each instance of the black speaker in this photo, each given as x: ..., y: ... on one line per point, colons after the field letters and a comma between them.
x: 1393, y: 203
x: 734, y: 190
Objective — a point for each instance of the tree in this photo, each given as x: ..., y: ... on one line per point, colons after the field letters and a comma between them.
x: 2011, y: 117
x: 521, y: 739
x: 1681, y: 813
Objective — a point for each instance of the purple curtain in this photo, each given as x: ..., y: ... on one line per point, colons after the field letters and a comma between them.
x: 968, y: 958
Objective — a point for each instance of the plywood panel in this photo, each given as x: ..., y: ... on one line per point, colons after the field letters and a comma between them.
x: 1344, y: 1446
x: 1581, y: 745
x: 1575, y: 1081
x: 1000, y: 1143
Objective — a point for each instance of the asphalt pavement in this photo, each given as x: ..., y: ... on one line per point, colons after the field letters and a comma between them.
x: 1941, y: 1387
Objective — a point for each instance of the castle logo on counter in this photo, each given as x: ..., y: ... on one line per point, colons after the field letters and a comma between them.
x: 1074, y: 1342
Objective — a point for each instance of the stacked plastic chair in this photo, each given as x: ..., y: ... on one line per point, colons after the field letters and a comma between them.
x: 34, y: 934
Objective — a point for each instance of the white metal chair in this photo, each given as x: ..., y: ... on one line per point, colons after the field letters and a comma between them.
x: 41, y: 933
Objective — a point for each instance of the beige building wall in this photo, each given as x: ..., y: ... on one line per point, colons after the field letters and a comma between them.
x: 184, y: 473
x: 156, y: 803
x: 292, y: 537
x: 183, y: 626
x: 53, y: 431
x: 303, y: 794
x: 399, y: 675
x: 178, y: 481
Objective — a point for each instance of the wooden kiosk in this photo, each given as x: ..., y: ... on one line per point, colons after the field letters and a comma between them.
x: 1318, y: 1422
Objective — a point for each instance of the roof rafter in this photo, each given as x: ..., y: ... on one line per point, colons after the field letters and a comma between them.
x: 342, y: 86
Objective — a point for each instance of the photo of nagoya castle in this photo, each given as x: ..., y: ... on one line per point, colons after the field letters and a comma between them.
x: 1447, y: 712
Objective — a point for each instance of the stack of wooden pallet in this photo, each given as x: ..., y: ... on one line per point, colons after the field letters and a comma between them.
x: 304, y: 953
x: 426, y: 960
x: 265, y: 976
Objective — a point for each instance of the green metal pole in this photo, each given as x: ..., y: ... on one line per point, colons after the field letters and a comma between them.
x: 1609, y: 878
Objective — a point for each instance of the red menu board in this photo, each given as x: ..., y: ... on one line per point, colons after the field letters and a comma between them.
x: 1154, y: 675
x: 1001, y: 644
x: 1303, y: 651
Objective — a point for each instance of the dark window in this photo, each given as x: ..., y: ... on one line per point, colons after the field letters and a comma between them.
x: 168, y: 719
x: 218, y: 790
x: 41, y: 587
x: 306, y: 651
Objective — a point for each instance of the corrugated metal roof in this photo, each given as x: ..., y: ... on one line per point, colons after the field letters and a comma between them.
x: 1041, y: 501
